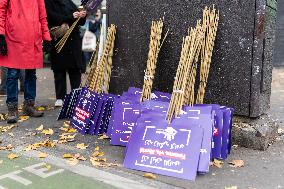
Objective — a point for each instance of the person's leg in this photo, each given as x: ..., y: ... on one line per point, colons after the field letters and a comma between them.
x: 60, y: 83
x: 30, y: 94
x: 12, y: 94
x: 3, y: 81
x: 22, y: 80
x: 75, y: 78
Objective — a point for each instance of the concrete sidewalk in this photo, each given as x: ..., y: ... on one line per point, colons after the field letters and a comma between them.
x: 262, y: 170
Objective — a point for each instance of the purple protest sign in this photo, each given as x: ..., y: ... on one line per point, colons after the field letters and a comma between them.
x: 227, y: 129
x: 172, y: 150
x: 83, y: 110
x: 92, y: 5
x: 204, y: 117
x: 125, y: 117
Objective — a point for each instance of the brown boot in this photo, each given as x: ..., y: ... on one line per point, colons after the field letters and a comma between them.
x: 29, y: 109
x: 12, y: 113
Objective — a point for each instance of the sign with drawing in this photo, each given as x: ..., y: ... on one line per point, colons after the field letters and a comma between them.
x: 171, y: 150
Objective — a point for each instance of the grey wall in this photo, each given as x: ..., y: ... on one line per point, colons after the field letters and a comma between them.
x: 240, y: 76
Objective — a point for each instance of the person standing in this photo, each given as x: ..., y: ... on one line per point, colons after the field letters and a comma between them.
x: 69, y: 60
x: 23, y: 28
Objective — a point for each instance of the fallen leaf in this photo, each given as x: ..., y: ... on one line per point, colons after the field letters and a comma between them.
x: 81, y: 146
x: 72, y: 161
x: 40, y: 108
x: 48, y: 167
x: 7, y: 128
x: 9, y: 147
x: 94, y: 162
x: 24, y: 118
x: 150, y: 176
x: 218, y: 163
x: 98, y: 154
x: 47, y: 132
x: 42, y: 155
x: 103, y: 137
x: 68, y: 129
x: 40, y: 128
x: 97, y: 148
x: 35, y: 146
x: 66, y: 124
x: 79, y: 157
x: 11, y: 134
x: 237, y: 163
x: 12, y: 156
x: 231, y: 187
x: 66, y: 156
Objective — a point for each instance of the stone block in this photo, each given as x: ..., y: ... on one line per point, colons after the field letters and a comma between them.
x: 256, y: 133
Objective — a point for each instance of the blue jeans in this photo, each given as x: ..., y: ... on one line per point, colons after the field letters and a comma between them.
x: 3, y: 86
x: 12, y: 85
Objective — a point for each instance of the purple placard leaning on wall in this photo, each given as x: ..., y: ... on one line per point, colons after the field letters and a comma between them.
x: 172, y: 150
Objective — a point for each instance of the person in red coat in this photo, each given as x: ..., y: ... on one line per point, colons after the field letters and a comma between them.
x: 23, y: 28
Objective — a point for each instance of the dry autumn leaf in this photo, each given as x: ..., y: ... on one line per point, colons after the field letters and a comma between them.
x: 48, y: 167
x: 24, y: 118
x: 68, y: 129
x: 40, y: 108
x: 40, y: 128
x: 42, y: 155
x: 47, y: 132
x: 66, y: 124
x: 9, y: 147
x: 150, y: 176
x: 11, y: 134
x: 7, y: 128
x: 98, y: 154
x: 12, y: 156
x: 81, y: 146
x: 103, y: 137
x: 97, y: 148
x: 218, y: 163
x: 79, y: 157
x: 237, y: 163
x: 67, y: 156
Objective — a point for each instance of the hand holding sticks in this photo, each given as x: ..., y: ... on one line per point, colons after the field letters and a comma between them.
x: 64, y: 39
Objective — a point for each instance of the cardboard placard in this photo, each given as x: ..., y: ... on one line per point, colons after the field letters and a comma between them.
x: 160, y: 148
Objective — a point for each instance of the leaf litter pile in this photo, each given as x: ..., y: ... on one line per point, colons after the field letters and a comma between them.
x: 67, y: 135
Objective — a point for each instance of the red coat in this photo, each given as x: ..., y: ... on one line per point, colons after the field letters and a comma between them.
x: 24, y: 24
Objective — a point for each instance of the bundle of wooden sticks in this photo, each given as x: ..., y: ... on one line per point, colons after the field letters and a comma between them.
x: 198, y: 45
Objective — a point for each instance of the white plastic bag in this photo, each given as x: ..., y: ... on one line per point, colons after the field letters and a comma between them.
x: 89, y: 43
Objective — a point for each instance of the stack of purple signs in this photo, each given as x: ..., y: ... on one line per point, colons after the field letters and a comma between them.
x: 70, y: 100
x: 156, y: 146
x: 127, y: 110
x: 222, y: 137
x: 92, y: 112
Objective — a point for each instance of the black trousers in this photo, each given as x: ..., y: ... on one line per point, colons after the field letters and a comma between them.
x: 60, y: 81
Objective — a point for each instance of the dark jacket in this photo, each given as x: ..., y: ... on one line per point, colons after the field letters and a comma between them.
x: 59, y: 12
